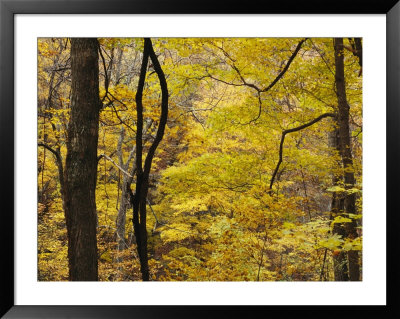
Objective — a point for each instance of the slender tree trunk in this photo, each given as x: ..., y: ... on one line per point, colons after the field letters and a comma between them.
x: 142, y: 173
x: 126, y: 184
x: 81, y: 161
x: 345, y: 152
x: 121, y: 217
x: 121, y: 221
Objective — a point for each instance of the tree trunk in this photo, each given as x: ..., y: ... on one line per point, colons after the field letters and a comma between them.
x: 340, y: 269
x: 126, y: 184
x: 142, y: 181
x: 81, y: 161
x: 345, y: 152
x: 121, y: 217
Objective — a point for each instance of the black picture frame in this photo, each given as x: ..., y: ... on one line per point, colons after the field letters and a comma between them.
x: 8, y: 8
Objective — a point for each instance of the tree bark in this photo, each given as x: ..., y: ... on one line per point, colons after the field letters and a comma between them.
x: 346, y: 155
x: 81, y: 161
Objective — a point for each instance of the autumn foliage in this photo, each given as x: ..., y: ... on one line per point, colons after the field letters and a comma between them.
x: 240, y: 188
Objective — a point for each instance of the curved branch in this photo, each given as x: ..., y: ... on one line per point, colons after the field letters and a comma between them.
x: 56, y: 154
x: 286, y: 66
x: 255, y: 87
x: 245, y: 83
x: 295, y: 129
x: 251, y: 85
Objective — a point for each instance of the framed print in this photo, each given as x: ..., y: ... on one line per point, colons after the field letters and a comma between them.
x: 237, y: 157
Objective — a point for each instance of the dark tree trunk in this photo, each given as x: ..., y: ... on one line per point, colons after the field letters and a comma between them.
x: 142, y: 180
x: 356, y: 49
x: 340, y: 269
x: 345, y: 152
x: 126, y: 184
x: 81, y: 161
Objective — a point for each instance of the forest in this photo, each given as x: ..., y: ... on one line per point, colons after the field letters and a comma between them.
x: 199, y: 159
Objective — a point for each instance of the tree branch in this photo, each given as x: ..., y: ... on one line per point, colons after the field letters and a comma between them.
x: 115, y: 164
x: 251, y: 85
x: 295, y: 129
x: 106, y: 81
x: 286, y: 66
x: 122, y: 121
x: 56, y: 154
x: 259, y: 110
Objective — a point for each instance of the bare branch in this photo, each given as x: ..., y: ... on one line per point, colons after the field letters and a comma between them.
x: 115, y: 164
